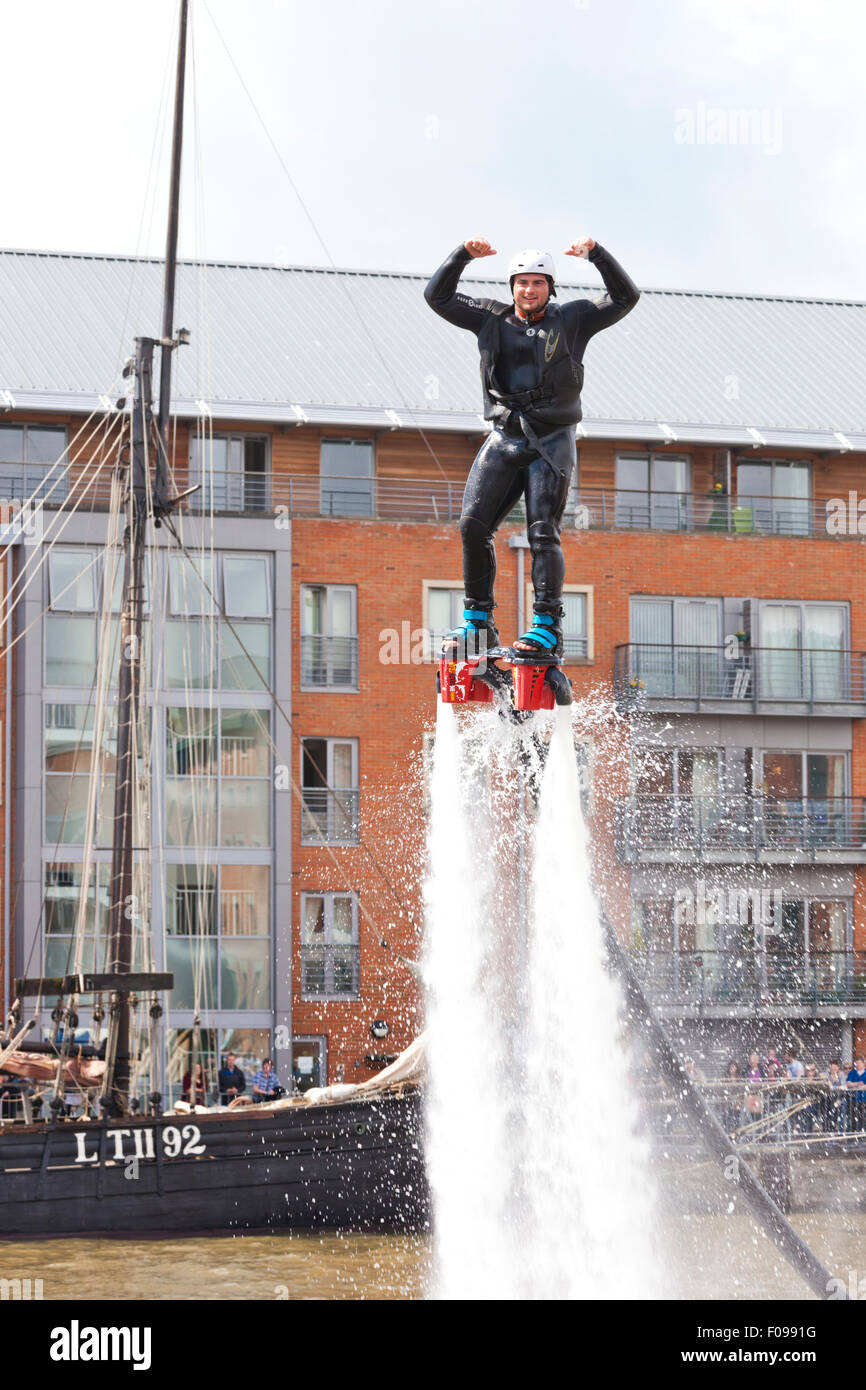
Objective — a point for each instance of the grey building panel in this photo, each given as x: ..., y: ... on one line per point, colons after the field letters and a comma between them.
x: 347, y: 346
x: 747, y: 731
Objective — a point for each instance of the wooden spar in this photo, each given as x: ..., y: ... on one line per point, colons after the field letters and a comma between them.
x: 123, y: 908
x: 122, y: 905
x: 161, y: 479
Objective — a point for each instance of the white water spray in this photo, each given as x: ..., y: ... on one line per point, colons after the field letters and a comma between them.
x: 539, y: 1180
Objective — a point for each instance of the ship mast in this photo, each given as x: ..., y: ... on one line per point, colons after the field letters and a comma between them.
x: 149, y: 447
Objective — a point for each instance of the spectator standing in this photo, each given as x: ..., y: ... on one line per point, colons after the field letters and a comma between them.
x: 754, y: 1098
x: 794, y: 1066
x: 200, y: 1086
x: 266, y: 1085
x: 857, y: 1099
x: 231, y: 1080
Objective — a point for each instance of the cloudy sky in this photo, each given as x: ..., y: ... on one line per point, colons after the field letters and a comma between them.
x: 709, y: 145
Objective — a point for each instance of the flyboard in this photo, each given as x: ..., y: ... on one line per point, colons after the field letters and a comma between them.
x: 521, y: 683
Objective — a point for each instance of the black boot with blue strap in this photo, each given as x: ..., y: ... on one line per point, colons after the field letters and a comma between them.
x: 474, y: 637
x: 543, y: 639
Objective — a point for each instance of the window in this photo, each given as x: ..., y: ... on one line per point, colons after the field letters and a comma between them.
x: 792, y: 776
x: 652, y: 492
x: 179, y: 1051
x: 75, y: 591
x: 218, y: 935
x: 576, y: 620
x: 69, y: 760
x: 232, y: 473
x: 803, y: 652
x: 62, y: 891
x: 217, y: 786
x: 72, y: 580
x: 330, y: 952
x: 245, y: 581
x: 773, y: 497
x: 678, y: 795
x: 804, y: 804
x: 676, y: 645
x: 329, y: 636
x: 204, y: 654
x: 308, y: 1063
x: 191, y: 583
x: 346, y: 469
x: 26, y: 452
x: 330, y: 809
x: 443, y: 610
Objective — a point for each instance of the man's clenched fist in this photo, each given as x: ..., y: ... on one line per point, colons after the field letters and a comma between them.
x: 581, y: 248
x: 479, y: 246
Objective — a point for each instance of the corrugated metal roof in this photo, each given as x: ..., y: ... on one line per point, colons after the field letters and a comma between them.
x: 347, y: 347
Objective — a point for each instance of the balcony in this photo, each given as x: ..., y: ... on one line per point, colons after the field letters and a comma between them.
x: 699, y: 982
x: 329, y: 663
x: 653, y: 676
x: 741, y: 829
x: 330, y: 816
x: 440, y: 499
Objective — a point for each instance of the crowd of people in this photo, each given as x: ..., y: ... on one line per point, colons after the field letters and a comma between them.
x: 232, y: 1082
x: 833, y: 1101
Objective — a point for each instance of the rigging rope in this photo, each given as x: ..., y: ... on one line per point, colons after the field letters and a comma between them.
x: 356, y: 308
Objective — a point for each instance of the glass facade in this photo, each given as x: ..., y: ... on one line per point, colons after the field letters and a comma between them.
x: 205, y: 777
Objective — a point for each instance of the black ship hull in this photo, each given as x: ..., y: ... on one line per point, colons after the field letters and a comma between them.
x: 354, y: 1166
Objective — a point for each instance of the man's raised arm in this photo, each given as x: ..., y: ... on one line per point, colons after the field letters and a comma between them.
x: 622, y: 293
x: 441, y: 291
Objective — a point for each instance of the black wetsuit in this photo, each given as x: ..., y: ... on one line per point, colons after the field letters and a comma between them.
x: 531, y: 375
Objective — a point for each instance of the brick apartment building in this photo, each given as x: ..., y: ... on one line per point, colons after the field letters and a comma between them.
x: 715, y: 636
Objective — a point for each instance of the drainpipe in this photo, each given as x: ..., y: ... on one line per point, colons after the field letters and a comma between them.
x: 520, y: 544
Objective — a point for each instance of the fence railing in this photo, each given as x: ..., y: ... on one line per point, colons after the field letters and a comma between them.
x: 752, y: 977
x: 737, y: 671
x: 767, y: 1112
x: 331, y: 815
x: 742, y: 824
x: 329, y: 662
x: 626, y: 509
x: 440, y: 499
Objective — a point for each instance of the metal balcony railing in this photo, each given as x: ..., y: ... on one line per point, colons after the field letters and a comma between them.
x: 624, y: 509
x: 752, y: 977
x: 329, y: 662
x: 334, y: 816
x: 440, y: 499
x: 741, y: 825
x: 331, y: 971
x: 674, y: 671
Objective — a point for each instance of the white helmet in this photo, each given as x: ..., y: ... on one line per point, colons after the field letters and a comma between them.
x: 531, y: 262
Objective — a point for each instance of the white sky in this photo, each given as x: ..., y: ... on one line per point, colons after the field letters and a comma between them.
x: 409, y: 126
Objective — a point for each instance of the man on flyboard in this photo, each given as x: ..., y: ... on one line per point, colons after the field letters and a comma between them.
x: 531, y: 375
